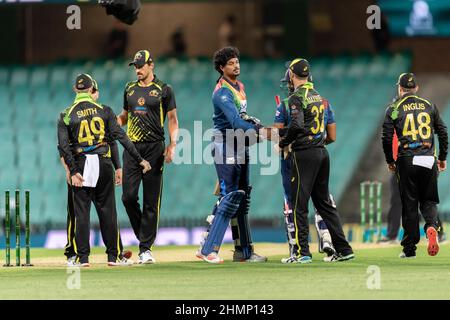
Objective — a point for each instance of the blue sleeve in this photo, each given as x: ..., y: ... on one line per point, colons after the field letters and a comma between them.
x: 280, y: 114
x: 330, y: 115
x: 223, y: 99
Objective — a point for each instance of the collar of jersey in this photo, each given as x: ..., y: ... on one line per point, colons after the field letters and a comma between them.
x: 409, y: 95
x: 306, y: 85
x: 80, y: 97
x: 150, y: 84
x: 239, y: 94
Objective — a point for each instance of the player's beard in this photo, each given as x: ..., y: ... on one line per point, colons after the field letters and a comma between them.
x: 142, y: 77
x: 233, y: 76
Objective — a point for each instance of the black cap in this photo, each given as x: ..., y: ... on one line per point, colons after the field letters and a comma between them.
x: 407, y: 80
x: 285, y: 79
x: 299, y: 67
x: 141, y: 58
x: 83, y: 81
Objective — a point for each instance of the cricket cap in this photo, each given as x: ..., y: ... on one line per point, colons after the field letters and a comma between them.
x: 83, y: 81
x: 299, y: 67
x: 141, y: 58
x: 407, y: 80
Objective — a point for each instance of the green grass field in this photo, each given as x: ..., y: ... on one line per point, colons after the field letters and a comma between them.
x: 421, y: 278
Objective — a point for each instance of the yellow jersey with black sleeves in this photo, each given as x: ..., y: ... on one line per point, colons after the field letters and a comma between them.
x: 147, y: 107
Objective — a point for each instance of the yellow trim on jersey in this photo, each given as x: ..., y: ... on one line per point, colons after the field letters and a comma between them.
x: 108, y: 154
x: 412, y: 96
x: 161, y: 114
x: 142, y: 86
x: 295, y: 207
x: 81, y: 97
x: 150, y: 84
x: 423, y: 100
x: 74, y: 240
x: 157, y: 86
x: 129, y: 86
x: 75, y: 249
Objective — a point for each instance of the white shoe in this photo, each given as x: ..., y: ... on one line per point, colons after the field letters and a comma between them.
x: 146, y: 258
x: 71, y: 261
x: 213, y: 257
x: 121, y: 262
x: 291, y: 259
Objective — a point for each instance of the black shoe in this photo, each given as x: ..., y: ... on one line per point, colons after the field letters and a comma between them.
x: 403, y: 255
x: 339, y: 257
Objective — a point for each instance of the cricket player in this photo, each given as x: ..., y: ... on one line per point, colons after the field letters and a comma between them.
x: 311, y: 164
x: 416, y: 121
x: 82, y: 129
x: 281, y: 121
x: 234, y: 131
x: 394, y: 215
x: 69, y: 250
x: 146, y: 103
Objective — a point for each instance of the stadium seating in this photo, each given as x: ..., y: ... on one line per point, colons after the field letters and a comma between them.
x: 31, y: 98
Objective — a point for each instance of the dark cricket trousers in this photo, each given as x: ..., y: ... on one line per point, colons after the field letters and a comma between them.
x: 69, y: 249
x: 395, y: 209
x: 394, y: 215
x: 418, y: 189
x: 144, y: 222
x: 104, y: 201
x: 310, y: 176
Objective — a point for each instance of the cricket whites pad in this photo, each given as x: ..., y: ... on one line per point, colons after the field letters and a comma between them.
x: 224, y: 211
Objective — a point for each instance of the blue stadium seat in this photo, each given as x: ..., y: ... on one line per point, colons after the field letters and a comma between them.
x: 4, y: 75
x: 19, y: 77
